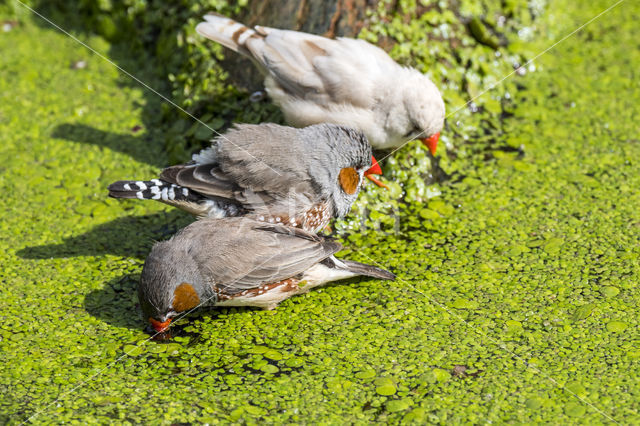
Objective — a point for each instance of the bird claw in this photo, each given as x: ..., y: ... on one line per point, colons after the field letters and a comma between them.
x: 257, y: 96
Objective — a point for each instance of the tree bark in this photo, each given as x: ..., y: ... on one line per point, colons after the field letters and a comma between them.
x: 329, y: 18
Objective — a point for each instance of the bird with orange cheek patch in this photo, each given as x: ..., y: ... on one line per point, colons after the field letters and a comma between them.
x: 238, y: 261
x: 345, y: 81
x: 277, y: 174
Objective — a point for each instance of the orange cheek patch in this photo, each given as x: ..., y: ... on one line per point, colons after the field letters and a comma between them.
x: 185, y: 297
x: 349, y: 180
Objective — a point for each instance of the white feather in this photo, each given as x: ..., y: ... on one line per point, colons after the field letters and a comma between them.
x: 205, y: 156
x: 344, y: 81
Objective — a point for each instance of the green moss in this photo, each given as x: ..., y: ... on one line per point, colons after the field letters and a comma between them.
x: 536, y: 234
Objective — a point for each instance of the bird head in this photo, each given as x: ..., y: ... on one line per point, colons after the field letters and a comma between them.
x: 163, y: 292
x: 420, y: 114
x: 346, y: 160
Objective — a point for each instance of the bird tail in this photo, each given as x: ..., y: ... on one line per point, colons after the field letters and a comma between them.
x: 154, y: 189
x: 358, y: 268
x: 227, y: 32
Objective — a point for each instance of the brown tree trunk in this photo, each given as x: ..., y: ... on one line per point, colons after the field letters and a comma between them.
x: 330, y: 18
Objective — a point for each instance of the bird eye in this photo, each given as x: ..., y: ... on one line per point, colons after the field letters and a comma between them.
x: 413, y: 131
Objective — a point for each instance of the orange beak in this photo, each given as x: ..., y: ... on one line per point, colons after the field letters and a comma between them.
x: 159, y: 326
x: 432, y: 142
x: 375, y: 170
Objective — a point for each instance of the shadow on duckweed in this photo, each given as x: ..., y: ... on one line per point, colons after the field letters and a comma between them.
x: 137, y: 147
x: 114, y: 237
x: 116, y: 303
x: 437, y: 173
x: 151, y: 61
x: 130, y: 56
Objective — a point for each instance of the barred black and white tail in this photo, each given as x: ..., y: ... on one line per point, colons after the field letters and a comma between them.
x: 174, y: 195
x: 154, y: 189
x: 227, y: 32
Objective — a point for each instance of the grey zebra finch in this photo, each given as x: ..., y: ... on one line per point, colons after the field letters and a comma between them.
x: 238, y: 261
x: 301, y: 177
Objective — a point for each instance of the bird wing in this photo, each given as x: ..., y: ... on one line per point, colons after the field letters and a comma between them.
x: 252, y: 166
x: 266, y: 158
x: 319, y: 69
x: 205, y: 179
x: 246, y: 253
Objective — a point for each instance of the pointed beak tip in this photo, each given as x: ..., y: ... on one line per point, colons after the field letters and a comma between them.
x: 160, y: 326
x: 432, y: 143
x: 375, y: 168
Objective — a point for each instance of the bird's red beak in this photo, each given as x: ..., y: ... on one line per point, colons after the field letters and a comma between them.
x: 159, y: 326
x: 375, y: 170
x: 432, y: 142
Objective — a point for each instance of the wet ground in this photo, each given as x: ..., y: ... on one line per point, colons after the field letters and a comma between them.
x: 517, y: 297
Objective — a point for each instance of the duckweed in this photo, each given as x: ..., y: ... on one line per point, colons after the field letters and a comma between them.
x: 616, y: 326
x: 441, y: 375
x: 398, y: 405
x: 574, y: 409
x: 583, y: 311
x: 610, y: 291
x: 464, y: 304
x: 385, y: 386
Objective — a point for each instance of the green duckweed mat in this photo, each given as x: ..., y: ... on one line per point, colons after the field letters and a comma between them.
x: 516, y: 299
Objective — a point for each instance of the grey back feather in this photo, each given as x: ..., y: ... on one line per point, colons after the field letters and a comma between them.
x: 241, y: 253
x: 296, y: 166
x: 269, y: 170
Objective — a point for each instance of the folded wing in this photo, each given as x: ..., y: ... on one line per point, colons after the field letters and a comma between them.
x: 255, y: 253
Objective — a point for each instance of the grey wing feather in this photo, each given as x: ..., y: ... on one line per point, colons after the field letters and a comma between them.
x: 247, y: 254
x: 248, y: 166
x: 271, y: 158
x: 203, y: 179
x: 294, y: 232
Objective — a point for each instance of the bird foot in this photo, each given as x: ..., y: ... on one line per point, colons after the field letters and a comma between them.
x: 257, y: 96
